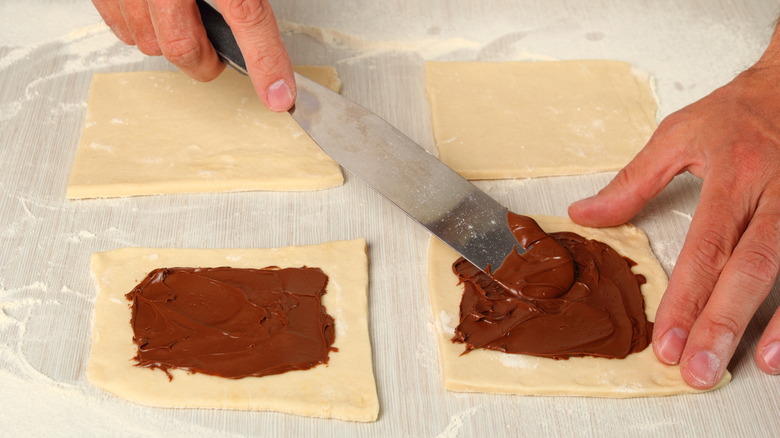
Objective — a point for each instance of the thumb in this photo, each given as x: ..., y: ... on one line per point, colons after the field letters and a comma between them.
x: 636, y: 184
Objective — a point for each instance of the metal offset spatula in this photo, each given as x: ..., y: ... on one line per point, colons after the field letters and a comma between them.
x: 449, y: 206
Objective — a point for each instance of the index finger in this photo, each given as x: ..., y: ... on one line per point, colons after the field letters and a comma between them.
x: 743, y: 285
x: 714, y: 232
x: 257, y: 34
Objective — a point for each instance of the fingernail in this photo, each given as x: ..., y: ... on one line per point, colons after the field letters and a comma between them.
x: 771, y: 355
x: 280, y: 96
x: 671, y: 344
x: 703, y: 367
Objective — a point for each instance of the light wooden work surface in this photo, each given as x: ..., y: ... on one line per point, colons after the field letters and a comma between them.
x: 47, y: 295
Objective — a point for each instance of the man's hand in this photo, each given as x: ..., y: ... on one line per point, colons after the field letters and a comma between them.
x: 173, y: 28
x: 731, y: 256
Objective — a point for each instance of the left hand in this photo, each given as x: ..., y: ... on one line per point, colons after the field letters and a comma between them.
x: 731, y: 256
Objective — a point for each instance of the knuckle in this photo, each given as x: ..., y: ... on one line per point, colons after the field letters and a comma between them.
x: 691, y: 305
x: 248, y: 12
x: 672, y: 122
x: 622, y: 178
x: 759, y: 263
x: 724, y: 328
x: 630, y: 180
x: 148, y: 46
x: 684, y: 305
x: 711, y: 251
x: 676, y: 125
x: 269, y: 60
x: 184, y: 52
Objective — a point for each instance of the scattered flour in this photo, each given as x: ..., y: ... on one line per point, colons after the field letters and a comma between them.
x: 666, y: 253
x: 70, y: 408
x: 446, y: 325
x: 456, y: 422
x: 88, y: 48
x: 629, y: 388
x: 30, y: 23
x: 74, y: 411
x: 683, y: 215
x: 428, y: 48
x: 517, y: 361
x: 71, y: 33
x: 36, y: 286
x: 80, y: 236
x: 426, y: 356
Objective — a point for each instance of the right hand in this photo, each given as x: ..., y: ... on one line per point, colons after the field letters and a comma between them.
x: 173, y: 28
x: 730, y: 260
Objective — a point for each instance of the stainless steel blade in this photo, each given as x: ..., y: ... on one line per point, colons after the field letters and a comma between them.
x: 466, y: 218
x: 449, y: 206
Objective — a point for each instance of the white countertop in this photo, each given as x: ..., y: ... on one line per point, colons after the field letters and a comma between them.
x: 48, y: 51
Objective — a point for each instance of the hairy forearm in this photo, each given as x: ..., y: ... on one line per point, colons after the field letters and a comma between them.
x: 759, y: 86
x: 771, y: 56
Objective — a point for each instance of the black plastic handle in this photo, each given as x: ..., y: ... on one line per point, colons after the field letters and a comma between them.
x: 221, y: 36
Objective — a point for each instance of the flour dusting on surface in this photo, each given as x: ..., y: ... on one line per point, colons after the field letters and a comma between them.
x: 446, y: 325
x: 49, y: 49
x: 362, y: 47
x: 517, y: 360
x: 456, y: 422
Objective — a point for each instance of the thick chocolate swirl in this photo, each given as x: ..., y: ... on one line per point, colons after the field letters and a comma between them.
x: 565, y: 296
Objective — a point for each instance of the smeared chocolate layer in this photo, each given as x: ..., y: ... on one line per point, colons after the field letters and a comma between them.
x: 565, y: 296
x: 231, y: 322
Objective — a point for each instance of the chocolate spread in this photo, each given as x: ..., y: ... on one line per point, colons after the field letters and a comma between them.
x: 565, y: 296
x: 231, y: 322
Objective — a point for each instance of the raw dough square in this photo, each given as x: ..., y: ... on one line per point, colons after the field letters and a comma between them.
x: 638, y: 375
x: 343, y: 389
x: 150, y: 133
x: 495, y: 120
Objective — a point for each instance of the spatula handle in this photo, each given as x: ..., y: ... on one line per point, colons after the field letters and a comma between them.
x: 221, y: 36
